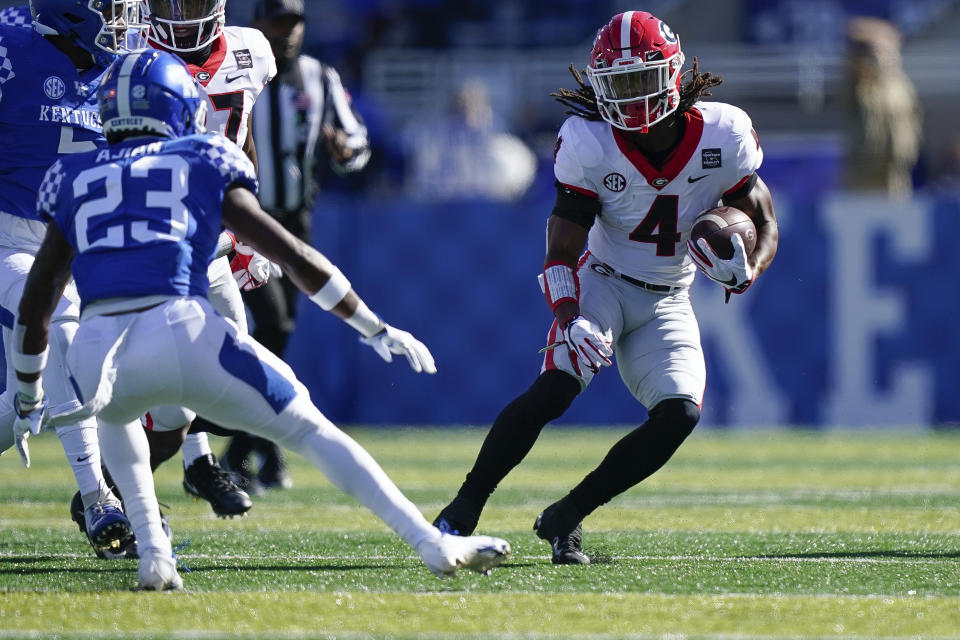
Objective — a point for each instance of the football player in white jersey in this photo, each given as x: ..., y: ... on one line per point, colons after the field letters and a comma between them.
x: 641, y: 157
x: 232, y: 65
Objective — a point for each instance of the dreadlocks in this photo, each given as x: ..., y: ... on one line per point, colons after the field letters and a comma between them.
x: 583, y: 101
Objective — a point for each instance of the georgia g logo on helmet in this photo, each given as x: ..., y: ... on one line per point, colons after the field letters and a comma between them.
x: 668, y: 33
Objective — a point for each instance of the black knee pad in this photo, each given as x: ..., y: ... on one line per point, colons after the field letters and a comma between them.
x: 677, y: 414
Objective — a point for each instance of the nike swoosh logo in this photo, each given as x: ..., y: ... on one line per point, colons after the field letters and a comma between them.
x: 230, y: 79
x: 692, y: 180
x: 732, y: 282
x: 84, y: 458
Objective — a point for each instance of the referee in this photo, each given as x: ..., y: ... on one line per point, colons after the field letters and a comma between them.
x: 303, y: 118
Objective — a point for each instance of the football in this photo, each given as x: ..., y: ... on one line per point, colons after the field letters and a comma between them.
x: 717, y: 227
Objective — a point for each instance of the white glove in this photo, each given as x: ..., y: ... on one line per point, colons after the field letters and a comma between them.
x: 735, y: 274
x: 588, y: 344
x: 250, y: 269
x: 396, y: 341
x: 29, y: 412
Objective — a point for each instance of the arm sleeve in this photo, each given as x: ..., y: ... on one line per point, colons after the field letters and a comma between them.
x: 339, y: 113
x: 576, y: 206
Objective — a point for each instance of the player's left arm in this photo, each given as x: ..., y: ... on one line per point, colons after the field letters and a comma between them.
x: 44, y: 287
x: 319, y: 278
x: 45, y: 284
x: 248, y: 146
x: 758, y: 204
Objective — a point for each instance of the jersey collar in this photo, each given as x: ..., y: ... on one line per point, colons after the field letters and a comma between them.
x: 218, y: 51
x: 660, y: 177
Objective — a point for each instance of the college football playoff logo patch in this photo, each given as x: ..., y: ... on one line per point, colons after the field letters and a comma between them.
x: 615, y: 182
x: 244, y: 59
x: 711, y: 158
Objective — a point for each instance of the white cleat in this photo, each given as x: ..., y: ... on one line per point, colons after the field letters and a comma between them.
x: 158, y: 573
x: 448, y: 553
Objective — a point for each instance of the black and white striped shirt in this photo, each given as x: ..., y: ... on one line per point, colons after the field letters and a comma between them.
x: 287, y: 131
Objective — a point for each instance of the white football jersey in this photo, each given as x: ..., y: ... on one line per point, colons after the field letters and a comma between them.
x: 647, y: 212
x: 241, y: 63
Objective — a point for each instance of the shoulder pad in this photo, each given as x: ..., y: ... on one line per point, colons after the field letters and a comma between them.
x: 580, y: 136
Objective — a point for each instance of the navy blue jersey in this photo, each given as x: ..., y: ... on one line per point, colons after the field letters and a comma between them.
x: 47, y: 110
x: 144, y: 215
x: 17, y: 17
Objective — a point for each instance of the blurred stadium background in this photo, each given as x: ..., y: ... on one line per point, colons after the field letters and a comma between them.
x: 854, y: 324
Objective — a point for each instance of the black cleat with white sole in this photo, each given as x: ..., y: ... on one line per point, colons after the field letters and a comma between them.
x: 565, y: 537
x: 206, y: 480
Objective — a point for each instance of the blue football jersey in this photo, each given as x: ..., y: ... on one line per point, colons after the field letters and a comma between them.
x: 17, y: 17
x: 143, y: 216
x: 47, y: 110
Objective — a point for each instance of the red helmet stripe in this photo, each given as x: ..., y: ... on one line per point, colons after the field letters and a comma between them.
x: 626, y: 20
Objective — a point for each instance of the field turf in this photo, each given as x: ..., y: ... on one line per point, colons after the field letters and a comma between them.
x: 747, y: 534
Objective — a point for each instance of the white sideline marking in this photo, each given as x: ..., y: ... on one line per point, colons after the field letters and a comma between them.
x: 302, y: 557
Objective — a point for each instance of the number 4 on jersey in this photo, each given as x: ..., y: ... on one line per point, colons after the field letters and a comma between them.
x: 659, y: 226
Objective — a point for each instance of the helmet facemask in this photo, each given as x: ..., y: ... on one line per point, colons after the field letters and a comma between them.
x: 122, y: 29
x: 183, y: 25
x: 634, y: 94
x: 105, y: 28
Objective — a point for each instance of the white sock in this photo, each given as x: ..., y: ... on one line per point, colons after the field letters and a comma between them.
x: 354, y: 471
x: 127, y: 453
x: 83, y: 453
x: 196, y: 445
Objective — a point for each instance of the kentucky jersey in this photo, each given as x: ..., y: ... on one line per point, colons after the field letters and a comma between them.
x: 47, y: 110
x: 143, y: 216
x: 646, y: 212
x: 240, y: 65
x: 17, y: 17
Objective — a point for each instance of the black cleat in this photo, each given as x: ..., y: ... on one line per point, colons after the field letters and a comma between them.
x: 458, y: 518
x: 273, y: 471
x: 205, y: 479
x: 553, y: 525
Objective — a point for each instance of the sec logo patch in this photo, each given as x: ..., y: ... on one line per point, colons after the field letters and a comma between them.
x: 614, y: 182
x: 54, y: 87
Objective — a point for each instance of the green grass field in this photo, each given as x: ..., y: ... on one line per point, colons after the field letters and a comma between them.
x: 743, y: 535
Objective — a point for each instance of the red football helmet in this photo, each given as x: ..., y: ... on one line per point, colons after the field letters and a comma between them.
x: 635, y: 71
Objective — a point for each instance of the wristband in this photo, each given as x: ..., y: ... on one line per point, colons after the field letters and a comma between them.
x: 560, y: 284
x: 26, y: 362
x: 31, y: 392
x: 332, y: 292
x: 225, y: 244
x: 365, y: 321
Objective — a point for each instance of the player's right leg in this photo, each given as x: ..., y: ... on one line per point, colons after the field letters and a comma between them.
x: 519, y: 424
x: 661, y: 363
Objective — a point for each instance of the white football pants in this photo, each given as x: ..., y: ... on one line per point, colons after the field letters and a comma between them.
x: 656, y: 338
x: 198, y: 359
x: 224, y: 296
